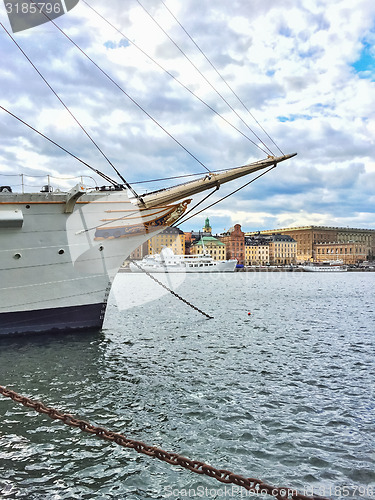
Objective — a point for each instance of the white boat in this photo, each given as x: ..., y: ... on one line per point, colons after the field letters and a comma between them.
x: 168, y: 262
x: 325, y: 267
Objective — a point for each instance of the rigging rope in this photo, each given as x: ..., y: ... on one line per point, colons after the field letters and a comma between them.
x: 223, y: 79
x: 173, y: 177
x: 208, y: 82
x: 228, y: 195
x: 177, y: 80
x: 69, y: 111
x: 195, y: 206
x: 253, y: 485
x: 179, y: 176
x: 118, y: 86
x: 108, y: 179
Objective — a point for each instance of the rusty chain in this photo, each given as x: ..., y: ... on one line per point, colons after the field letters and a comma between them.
x: 223, y: 476
x: 171, y: 291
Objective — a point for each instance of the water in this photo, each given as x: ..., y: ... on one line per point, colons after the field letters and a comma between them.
x: 285, y: 394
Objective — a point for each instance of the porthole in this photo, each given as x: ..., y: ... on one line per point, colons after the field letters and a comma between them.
x: 27, y: 206
x: 101, y: 248
x: 61, y: 251
x: 17, y: 256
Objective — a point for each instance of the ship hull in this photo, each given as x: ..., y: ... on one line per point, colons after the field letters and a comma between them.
x: 53, y: 320
x: 57, y: 267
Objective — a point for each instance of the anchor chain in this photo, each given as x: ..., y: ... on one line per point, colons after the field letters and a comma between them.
x: 253, y: 485
x: 171, y: 291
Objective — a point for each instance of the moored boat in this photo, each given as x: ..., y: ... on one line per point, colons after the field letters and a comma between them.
x: 324, y: 267
x: 168, y: 262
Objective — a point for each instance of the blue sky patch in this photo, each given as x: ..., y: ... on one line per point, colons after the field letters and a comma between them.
x: 112, y: 45
x: 292, y: 118
x: 365, y: 65
x: 285, y: 31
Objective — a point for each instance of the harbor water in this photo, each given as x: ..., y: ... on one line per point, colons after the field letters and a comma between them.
x: 279, y: 386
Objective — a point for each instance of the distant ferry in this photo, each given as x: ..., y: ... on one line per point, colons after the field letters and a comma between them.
x: 168, y: 262
x: 327, y: 266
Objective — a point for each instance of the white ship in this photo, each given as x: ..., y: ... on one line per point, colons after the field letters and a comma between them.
x: 168, y: 262
x: 60, y: 251
x: 325, y: 267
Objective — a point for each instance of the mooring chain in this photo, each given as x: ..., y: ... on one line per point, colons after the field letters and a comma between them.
x: 171, y: 291
x: 224, y: 476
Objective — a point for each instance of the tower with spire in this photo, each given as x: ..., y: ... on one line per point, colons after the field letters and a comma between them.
x: 207, y: 228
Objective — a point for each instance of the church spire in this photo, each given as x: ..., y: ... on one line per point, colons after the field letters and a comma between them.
x: 207, y: 228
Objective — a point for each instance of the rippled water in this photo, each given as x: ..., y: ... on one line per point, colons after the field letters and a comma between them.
x: 285, y: 394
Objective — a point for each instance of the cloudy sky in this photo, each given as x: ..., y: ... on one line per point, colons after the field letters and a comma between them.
x: 303, y: 71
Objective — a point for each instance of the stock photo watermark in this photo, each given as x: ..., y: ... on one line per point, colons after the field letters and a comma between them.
x: 26, y: 14
x: 233, y: 491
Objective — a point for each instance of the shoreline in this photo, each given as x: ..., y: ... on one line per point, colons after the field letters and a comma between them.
x: 269, y: 270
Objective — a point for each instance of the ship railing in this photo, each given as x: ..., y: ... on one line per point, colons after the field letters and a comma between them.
x: 27, y: 182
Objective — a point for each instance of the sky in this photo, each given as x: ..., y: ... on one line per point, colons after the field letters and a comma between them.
x: 298, y: 73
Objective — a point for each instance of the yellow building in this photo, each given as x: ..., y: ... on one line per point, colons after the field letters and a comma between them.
x: 275, y: 249
x: 283, y: 250
x: 257, y: 253
x: 209, y: 245
x: 171, y: 237
x: 348, y: 253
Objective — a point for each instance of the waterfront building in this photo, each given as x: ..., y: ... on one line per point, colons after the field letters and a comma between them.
x: 171, y: 237
x: 283, y: 250
x: 209, y: 245
x: 205, y: 231
x: 349, y: 253
x: 139, y: 252
x: 257, y: 251
x: 234, y: 240
x: 193, y: 236
x: 309, y: 237
x: 188, y: 242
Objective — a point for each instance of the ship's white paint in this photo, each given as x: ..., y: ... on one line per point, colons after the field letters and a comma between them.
x: 57, y: 260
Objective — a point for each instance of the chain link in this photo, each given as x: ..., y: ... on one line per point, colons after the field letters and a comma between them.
x: 171, y: 291
x: 224, y: 476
